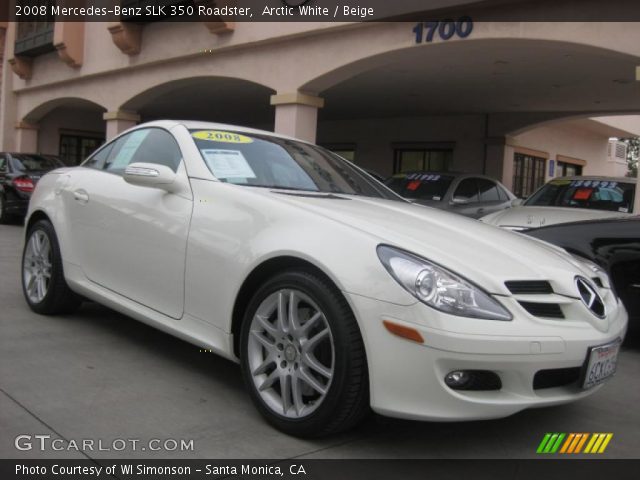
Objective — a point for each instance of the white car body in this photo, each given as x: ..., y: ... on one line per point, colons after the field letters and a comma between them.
x: 523, y: 217
x: 178, y: 261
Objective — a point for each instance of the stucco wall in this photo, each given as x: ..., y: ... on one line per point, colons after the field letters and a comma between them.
x: 76, y: 121
x: 571, y: 141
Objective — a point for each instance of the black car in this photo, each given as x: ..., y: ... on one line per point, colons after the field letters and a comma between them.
x: 19, y: 173
x: 614, y: 244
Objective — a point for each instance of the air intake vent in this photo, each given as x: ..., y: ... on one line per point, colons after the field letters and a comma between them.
x: 528, y: 287
x: 548, y: 310
x: 598, y: 282
x: 557, y: 377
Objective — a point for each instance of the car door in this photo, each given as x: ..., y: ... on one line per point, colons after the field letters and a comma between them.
x: 490, y: 197
x: 465, y: 198
x: 132, y: 239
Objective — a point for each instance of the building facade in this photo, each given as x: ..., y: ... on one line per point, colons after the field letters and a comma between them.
x: 520, y: 101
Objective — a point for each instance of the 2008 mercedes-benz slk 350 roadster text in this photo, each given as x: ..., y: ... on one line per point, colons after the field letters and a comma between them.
x: 334, y: 294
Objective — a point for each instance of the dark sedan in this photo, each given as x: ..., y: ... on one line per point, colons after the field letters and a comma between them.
x: 19, y: 173
x: 613, y: 244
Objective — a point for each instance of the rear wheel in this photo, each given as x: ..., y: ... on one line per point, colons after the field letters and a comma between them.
x: 302, y: 356
x: 43, y: 284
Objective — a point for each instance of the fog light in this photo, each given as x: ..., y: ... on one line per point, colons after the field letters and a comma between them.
x: 473, y: 380
x: 457, y: 379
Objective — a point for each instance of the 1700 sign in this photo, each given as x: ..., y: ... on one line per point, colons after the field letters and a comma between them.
x: 445, y: 29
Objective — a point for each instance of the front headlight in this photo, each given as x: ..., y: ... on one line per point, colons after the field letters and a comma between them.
x: 439, y: 288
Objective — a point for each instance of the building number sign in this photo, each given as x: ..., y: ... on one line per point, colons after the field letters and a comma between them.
x: 443, y: 29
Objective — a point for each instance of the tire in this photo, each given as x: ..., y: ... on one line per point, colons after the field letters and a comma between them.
x: 4, y: 216
x: 318, y: 358
x: 43, y: 284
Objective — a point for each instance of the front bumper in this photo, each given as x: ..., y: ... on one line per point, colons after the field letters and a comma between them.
x: 407, y: 378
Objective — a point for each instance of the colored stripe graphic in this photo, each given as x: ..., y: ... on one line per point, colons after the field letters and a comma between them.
x: 550, y: 443
x: 573, y: 443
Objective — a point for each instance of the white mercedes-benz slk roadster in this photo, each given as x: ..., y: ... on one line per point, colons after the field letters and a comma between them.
x: 334, y: 294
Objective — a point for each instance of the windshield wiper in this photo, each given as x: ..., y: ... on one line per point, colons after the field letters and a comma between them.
x: 280, y: 187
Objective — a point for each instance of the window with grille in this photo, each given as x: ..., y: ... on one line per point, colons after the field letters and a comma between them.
x: 528, y: 174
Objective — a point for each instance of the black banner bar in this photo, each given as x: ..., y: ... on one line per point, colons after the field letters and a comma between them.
x: 460, y: 469
x: 144, y: 11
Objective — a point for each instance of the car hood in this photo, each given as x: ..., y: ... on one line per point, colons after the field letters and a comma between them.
x: 533, y: 217
x: 484, y: 254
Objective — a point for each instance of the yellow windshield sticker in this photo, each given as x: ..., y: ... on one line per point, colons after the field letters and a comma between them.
x: 560, y: 182
x: 223, y: 137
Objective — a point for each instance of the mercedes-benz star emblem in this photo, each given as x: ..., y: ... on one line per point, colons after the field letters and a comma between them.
x: 590, y: 297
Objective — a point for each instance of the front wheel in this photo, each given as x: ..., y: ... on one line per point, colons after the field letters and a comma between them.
x: 43, y: 284
x: 302, y: 356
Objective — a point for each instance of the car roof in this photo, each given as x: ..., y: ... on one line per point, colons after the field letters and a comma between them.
x: 598, y: 177
x: 198, y: 125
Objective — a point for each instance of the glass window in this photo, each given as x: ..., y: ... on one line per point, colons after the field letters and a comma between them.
x: 590, y: 194
x: 150, y: 145
x: 528, y: 174
x: 467, y: 190
x: 488, y: 190
x: 569, y: 170
x: 97, y: 160
x: 34, y: 163
x: 421, y: 160
x: 75, y: 148
x: 264, y: 161
x: 3, y: 164
x: 424, y: 186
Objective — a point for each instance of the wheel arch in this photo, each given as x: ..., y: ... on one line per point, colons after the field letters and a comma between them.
x: 259, y: 275
x: 36, y: 216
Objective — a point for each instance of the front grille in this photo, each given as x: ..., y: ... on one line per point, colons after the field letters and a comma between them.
x: 557, y: 377
x: 531, y: 287
x: 549, y: 310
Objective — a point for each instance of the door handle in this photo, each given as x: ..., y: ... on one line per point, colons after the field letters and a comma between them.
x: 81, y: 195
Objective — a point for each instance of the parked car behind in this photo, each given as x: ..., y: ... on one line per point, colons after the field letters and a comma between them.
x: 19, y: 173
x: 613, y: 244
x: 467, y: 194
x: 570, y: 199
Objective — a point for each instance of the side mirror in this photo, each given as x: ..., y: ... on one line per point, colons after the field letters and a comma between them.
x: 150, y: 175
x: 516, y: 202
x: 459, y: 201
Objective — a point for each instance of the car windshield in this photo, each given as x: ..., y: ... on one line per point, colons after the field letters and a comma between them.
x: 420, y: 186
x: 34, y: 163
x: 591, y: 194
x: 256, y: 160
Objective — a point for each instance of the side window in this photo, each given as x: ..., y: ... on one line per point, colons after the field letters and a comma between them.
x: 467, y: 190
x: 97, y: 159
x: 151, y: 145
x: 3, y: 164
x: 488, y: 190
x: 503, y: 195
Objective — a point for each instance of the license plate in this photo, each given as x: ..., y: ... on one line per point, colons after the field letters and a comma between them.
x: 601, y: 364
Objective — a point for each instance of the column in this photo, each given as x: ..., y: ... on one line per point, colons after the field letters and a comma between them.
x: 119, y: 121
x: 297, y: 114
x: 26, y: 140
